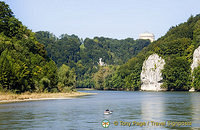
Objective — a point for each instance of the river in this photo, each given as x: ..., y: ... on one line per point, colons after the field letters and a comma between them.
x: 138, y: 108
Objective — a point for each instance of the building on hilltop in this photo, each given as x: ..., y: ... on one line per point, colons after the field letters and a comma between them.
x: 147, y: 35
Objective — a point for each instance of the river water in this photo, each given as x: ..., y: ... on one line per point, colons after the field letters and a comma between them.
x: 155, y: 110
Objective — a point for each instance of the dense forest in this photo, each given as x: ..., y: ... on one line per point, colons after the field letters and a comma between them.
x: 24, y: 63
x: 177, y: 48
x: 84, y: 56
x: 41, y: 62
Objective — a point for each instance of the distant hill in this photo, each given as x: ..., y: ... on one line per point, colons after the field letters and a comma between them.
x: 41, y: 62
x: 84, y: 55
x: 176, y: 47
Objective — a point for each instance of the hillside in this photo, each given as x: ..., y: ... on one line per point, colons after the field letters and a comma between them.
x: 24, y: 63
x: 84, y: 55
x: 41, y: 62
x: 176, y: 47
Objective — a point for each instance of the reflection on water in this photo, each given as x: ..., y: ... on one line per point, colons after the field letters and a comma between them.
x: 152, y: 107
x: 87, y: 112
x: 195, y: 109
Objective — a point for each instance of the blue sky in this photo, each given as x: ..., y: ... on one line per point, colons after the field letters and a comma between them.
x: 109, y: 18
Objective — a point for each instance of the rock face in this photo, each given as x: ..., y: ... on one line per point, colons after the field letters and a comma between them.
x: 196, y: 58
x: 151, y: 75
x: 195, y: 63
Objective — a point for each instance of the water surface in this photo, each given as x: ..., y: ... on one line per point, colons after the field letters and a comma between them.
x: 87, y: 112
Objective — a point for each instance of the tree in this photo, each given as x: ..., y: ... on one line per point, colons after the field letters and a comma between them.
x: 176, y: 74
x: 24, y: 63
x: 66, y: 78
x: 196, y: 81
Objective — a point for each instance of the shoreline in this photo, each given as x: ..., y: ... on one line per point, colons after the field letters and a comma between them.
x: 87, y: 89
x: 25, y: 97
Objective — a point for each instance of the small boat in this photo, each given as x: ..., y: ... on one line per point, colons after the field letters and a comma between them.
x: 107, y: 112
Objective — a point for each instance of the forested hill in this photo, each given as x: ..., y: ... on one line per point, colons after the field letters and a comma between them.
x: 177, y: 48
x: 70, y: 49
x: 26, y: 57
x: 24, y: 64
x: 84, y: 55
x: 41, y: 62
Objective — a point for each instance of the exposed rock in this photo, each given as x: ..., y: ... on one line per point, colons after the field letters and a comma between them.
x: 195, y: 63
x: 151, y: 75
x: 196, y: 58
x: 192, y: 90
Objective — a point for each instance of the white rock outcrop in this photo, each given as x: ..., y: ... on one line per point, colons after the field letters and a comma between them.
x: 195, y: 63
x: 196, y: 58
x: 151, y: 75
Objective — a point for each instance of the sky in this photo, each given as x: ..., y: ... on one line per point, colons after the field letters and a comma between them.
x: 109, y: 18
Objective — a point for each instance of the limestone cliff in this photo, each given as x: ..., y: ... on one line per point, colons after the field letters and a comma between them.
x: 196, y: 62
x: 151, y: 76
x: 196, y: 58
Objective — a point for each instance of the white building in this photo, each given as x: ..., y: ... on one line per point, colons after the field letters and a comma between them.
x: 147, y: 35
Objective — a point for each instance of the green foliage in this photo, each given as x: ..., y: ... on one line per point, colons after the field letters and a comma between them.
x: 9, y: 25
x: 27, y: 66
x: 114, y: 81
x: 127, y: 76
x: 176, y: 47
x: 66, y: 78
x: 84, y: 55
x: 23, y: 61
x: 100, y: 77
x: 112, y: 51
x: 176, y: 75
x: 196, y: 81
x: 64, y: 50
x: 196, y: 32
x: 44, y: 84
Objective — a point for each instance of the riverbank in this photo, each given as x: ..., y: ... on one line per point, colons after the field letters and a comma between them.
x: 87, y: 89
x: 11, y: 97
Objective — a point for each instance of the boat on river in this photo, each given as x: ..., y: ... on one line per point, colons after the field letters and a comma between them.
x: 107, y: 112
